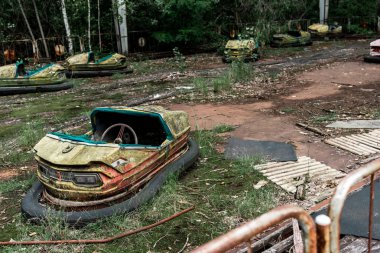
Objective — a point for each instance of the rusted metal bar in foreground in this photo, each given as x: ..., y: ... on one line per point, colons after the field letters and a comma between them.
x: 340, y: 195
x: 370, y: 220
x: 323, y: 223
x: 248, y: 230
x: 105, y: 240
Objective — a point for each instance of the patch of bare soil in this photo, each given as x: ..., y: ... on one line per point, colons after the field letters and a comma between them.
x: 11, y: 172
x: 332, y: 78
x: 7, y: 174
x: 346, y: 90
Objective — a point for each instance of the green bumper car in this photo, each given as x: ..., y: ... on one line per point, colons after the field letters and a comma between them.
x: 291, y: 39
x: 85, y: 65
x: 15, y: 80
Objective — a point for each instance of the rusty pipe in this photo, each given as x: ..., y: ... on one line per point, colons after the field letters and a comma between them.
x: 370, y: 220
x: 245, y: 232
x: 340, y: 195
x: 98, y: 241
x: 323, y: 223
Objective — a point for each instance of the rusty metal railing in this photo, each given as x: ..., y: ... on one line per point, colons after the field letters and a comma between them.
x: 245, y: 232
x: 340, y: 196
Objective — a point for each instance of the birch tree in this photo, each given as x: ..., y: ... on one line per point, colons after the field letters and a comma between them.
x: 100, y: 36
x: 89, y: 24
x: 41, y: 30
x: 34, y: 42
x: 67, y: 27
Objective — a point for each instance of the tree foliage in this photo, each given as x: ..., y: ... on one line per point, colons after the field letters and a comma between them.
x: 185, y: 22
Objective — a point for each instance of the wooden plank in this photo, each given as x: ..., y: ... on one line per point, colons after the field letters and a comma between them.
x: 368, y: 140
x: 357, y: 246
x: 359, y: 145
x: 281, y: 246
x: 346, y: 147
x: 297, y: 238
x: 331, y: 175
x: 346, y: 240
x: 294, y: 169
x: 370, y: 144
x: 264, y: 242
x: 298, y: 174
x: 286, y: 166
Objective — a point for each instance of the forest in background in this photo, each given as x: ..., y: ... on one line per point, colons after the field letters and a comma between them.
x: 169, y: 22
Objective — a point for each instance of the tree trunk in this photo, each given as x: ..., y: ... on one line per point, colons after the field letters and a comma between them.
x: 67, y: 27
x: 41, y: 31
x: 34, y: 43
x: 378, y: 15
x: 89, y: 24
x: 117, y: 26
x: 100, y: 36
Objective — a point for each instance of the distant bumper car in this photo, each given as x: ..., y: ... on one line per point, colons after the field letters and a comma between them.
x: 374, y: 54
x: 15, y: 80
x: 241, y: 49
x: 85, y: 65
x: 113, y: 169
x: 325, y: 30
x: 291, y: 39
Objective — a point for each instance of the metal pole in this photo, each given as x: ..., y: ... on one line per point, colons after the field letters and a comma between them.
x: 323, y: 233
x: 370, y: 220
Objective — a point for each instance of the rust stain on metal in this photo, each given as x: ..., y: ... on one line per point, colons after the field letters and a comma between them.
x: 323, y: 223
x: 370, y: 220
x: 245, y: 232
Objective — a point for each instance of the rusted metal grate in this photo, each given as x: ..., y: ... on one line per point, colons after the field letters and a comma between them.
x: 361, y: 144
x: 318, y: 178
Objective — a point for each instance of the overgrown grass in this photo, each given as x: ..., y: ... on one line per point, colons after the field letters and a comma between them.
x: 118, y: 76
x: 221, y: 83
x: 287, y: 110
x: 17, y: 150
x: 223, y: 129
x: 18, y: 183
x: 221, y: 191
x: 238, y: 71
x: 377, y: 114
x: 324, y: 118
x: 201, y: 85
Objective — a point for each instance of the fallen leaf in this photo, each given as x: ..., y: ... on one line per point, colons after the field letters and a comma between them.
x: 260, y: 184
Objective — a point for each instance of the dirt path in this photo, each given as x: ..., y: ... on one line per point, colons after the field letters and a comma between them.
x: 265, y: 121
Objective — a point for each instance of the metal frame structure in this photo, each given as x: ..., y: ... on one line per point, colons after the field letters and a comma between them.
x: 245, y: 232
x: 325, y: 229
x: 340, y: 196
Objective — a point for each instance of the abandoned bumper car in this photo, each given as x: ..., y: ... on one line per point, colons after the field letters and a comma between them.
x: 325, y: 30
x: 374, y: 54
x: 85, y: 65
x: 15, y: 80
x: 241, y: 49
x: 114, y: 168
x: 291, y: 39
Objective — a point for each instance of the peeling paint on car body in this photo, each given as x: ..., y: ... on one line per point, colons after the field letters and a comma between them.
x: 292, y: 38
x: 62, y: 157
x: 245, y: 49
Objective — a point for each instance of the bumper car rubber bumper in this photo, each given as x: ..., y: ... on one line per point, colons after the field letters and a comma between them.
x: 33, y: 210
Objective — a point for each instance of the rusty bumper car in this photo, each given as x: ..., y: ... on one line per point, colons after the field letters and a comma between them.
x: 241, y: 49
x: 291, y: 39
x: 113, y: 169
x: 374, y: 54
x: 321, y: 30
x: 85, y: 65
x: 15, y: 80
